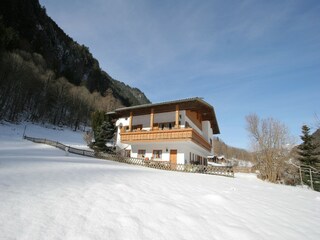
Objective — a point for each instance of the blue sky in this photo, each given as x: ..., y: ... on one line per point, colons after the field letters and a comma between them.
x: 242, y: 57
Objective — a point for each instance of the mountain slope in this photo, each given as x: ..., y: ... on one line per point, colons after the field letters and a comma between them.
x: 229, y: 152
x: 38, y: 33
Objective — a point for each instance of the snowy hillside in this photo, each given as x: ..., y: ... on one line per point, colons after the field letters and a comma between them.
x: 45, y: 194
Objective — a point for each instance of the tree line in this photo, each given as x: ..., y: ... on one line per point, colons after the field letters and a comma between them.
x: 25, y: 25
x: 47, y: 76
x: 220, y: 148
x: 31, y: 91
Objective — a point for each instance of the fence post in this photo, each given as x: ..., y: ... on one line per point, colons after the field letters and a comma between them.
x: 300, y: 176
x: 311, y: 178
x: 24, y: 131
x: 67, y: 150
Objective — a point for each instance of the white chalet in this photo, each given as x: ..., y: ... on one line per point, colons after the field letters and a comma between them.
x: 177, y: 131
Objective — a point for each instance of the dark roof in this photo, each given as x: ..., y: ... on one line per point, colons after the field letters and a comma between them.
x: 195, y: 104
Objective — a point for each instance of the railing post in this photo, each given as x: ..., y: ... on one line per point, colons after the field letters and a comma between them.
x: 130, y: 121
x: 151, y: 119
x: 300, y: 176
x: 176, y: 124
x: 24, y: 131
x: 311, y: 178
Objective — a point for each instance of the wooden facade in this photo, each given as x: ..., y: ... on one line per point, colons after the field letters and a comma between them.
x: 196, y: 108
x: 180, y: 134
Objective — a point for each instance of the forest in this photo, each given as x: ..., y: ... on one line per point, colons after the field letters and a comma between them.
x: 47, y: 76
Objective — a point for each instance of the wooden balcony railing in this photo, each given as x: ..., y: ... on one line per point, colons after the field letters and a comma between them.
x: 183, y: 134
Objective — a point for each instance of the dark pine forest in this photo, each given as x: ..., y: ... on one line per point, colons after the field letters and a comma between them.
x: 47, y: 76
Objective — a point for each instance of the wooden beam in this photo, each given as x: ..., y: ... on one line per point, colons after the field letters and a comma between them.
x: 151, y: 118
x: 177, y: 117
x: 130, y: 121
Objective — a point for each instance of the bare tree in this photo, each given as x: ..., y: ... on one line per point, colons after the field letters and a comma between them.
x: 271, y: 143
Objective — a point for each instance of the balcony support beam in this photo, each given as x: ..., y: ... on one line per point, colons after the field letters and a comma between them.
x: 130, y: 122
x: 151, y: 119
x: 177, y: 117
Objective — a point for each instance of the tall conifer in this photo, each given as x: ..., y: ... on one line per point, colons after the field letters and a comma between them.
x: 103, y: 131
x: 308, y: 149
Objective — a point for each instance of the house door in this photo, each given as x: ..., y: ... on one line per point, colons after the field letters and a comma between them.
x: 173, y: 157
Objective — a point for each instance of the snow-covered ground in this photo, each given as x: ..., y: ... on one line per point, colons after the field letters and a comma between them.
x: 54, y: 133
x: 45, y: 194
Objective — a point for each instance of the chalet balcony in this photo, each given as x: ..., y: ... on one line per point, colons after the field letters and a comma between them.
x: 165, y: 135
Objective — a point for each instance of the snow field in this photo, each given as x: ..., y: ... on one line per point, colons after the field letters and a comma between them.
x: 45, y: 194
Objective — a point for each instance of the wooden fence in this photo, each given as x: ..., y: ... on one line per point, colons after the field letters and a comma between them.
x: 238, y: 169
x: 61, y: 146
x: 213, y: 170
x: 164, y: 165
x: 310, y: 176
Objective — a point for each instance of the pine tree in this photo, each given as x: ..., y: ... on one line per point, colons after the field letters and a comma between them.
x: 307, y: 150
x: 97, y: 118
x: 103, y: 133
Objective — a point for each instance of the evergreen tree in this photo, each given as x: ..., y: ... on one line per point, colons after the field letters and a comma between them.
x: 307, y: 150
x: 103, y: 134
x: 97, y: 118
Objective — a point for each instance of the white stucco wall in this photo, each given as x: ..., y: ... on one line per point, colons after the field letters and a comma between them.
x: 207, y: 130
x: 193, y: 125
x: 119, y: 144
x: 183, y: 150
x: 183, y: 118
x: 164, y: 147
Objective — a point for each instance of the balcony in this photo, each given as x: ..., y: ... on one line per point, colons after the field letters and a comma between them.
x: 165, y: 135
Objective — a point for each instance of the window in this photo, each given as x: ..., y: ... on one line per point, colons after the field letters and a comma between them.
x: 166, y: 125
x: 127, y: 153
x: 157, y: 154
x: 141, y: 153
